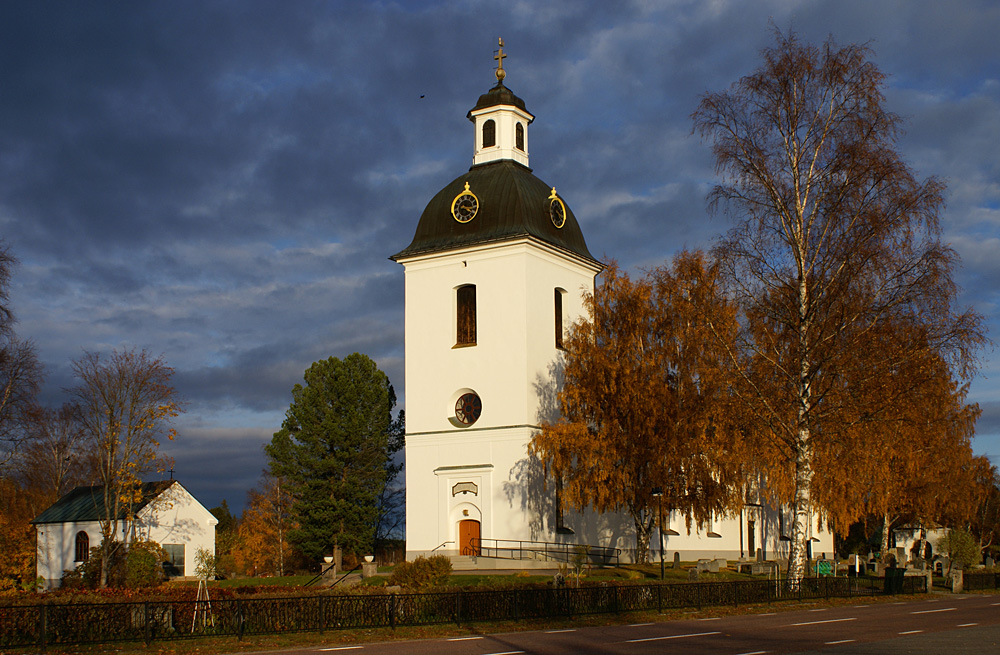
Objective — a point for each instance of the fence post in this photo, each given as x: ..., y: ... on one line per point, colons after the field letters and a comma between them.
x: 826, y: 587
x: 736, y: 594
x: 42, y: 620
x: 698, y: 589
x: 458, y: 608
x: 322, y: 615
x: 392, y: 611
x: 239, y: 619
x: 617, y: 607
x: 659, y: 598
x: 147, y: 631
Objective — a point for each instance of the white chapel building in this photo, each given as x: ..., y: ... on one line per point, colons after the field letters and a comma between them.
x: 496, y: 273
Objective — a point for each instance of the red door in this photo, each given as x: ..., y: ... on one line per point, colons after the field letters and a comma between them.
x: 468, y: 537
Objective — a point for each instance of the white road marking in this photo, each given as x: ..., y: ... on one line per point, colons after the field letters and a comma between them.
x: 943, y: 609
x: 694, y: 634
x: 860, y: 606
x: 822, y: 609
x: 507, y: 652
x: 342, y: 648
x: 756, y: 652
x: 967, y: 625
x: 555, y: 632
x: 911, y: 632
x: 712, y: 618
x: 639, y: 625
x: 768, y: 614
x: 842, y: 641
x: 818, y: 622
x: 994, y: 604
x: 463, y: 638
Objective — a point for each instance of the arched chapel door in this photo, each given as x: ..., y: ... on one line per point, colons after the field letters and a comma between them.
x: 468, y: 537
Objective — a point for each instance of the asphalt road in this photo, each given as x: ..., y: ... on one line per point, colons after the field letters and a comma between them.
x: 941, y: 624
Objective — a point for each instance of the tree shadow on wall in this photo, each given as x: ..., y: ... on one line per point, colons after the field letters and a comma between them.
x: 534, y: 492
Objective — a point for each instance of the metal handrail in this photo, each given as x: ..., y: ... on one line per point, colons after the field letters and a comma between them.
x: 545, y: 550
x: 436, y: 548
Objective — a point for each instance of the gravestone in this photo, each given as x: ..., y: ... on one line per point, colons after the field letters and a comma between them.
x: 693, y: 575
x: 760, y: 555
x: 677, y: 560
x: 989, y: 562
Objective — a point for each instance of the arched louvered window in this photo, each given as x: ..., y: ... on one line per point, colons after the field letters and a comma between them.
x: 466, y: 329
x: 489, y: 133
x: 559, y: 317
x: 82, y: 546
x: 519, y: 137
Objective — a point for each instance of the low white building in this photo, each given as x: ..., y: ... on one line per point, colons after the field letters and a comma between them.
x: 166, y: 513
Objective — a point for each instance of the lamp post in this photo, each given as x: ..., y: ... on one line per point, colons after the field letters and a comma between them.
x: 658, y: 494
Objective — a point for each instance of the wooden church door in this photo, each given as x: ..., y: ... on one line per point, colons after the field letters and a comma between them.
x: 468, y: 537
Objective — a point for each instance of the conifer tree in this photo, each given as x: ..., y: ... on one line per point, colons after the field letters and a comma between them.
x: 334, y: 454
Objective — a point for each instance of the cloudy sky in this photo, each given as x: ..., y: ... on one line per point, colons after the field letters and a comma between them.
x: 223, y: 182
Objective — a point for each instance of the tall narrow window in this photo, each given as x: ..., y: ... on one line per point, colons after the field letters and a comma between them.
x: 82, y: 546
x: 559, y: 318
x: 519, y: 137
x: 489, y: 133
x: 466, y: 332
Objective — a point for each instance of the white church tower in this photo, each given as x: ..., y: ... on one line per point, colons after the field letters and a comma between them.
x: 495, y: 275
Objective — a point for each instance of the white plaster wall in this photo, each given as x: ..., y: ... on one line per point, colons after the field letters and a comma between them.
x: 176, y: 517
x: 512, y: 367
x: 56, y: 548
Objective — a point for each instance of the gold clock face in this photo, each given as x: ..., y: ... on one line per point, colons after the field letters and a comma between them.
x: 465, y: 206
x: 557, y: 210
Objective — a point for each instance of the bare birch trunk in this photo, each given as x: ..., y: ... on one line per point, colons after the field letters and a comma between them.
x: 642, y: 531
x: 886, y: 523
x: 797, y: 560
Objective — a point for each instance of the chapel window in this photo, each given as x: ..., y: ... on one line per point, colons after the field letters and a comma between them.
x: 489, y: 133
x: 466, y: 315
x: 82, y: 546
x: 519, y: 137
x: 559, y: 317
x: 174, y: 565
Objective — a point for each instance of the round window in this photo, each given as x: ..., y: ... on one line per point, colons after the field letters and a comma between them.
x: 468, y: 408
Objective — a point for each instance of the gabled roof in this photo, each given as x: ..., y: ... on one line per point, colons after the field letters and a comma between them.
x: 87, y: 504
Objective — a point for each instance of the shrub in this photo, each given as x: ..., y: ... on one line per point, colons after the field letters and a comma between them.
x: 422, y: 572
x: 143, y: 564
x: 959, y: 546
x: 206, y: 564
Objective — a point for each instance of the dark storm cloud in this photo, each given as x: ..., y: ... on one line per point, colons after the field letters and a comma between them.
x: 222, y: 182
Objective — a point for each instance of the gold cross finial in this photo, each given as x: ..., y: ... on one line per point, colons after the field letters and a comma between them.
x: 500, y: 56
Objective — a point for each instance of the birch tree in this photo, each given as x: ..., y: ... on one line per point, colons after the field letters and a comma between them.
x: 834, y: 235
x: 125, y: 404
x: 643, y: 401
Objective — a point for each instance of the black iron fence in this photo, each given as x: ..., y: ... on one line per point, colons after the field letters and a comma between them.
x: 980, y: 581
x: 80, y: 623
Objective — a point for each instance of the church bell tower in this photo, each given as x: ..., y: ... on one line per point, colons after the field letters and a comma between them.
x: 495, y: 274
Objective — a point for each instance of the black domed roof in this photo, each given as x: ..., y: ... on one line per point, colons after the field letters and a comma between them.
x: 498, y: 95
x: 513, y: 203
